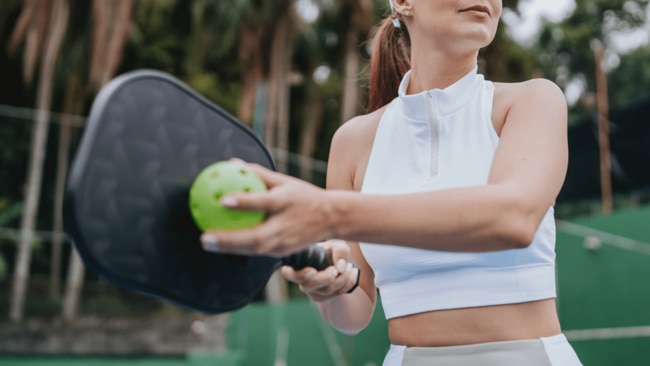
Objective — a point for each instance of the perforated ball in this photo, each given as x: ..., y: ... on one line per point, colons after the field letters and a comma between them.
x: 214, y: 182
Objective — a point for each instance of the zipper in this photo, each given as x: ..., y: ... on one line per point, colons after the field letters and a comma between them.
x: 435, y: 138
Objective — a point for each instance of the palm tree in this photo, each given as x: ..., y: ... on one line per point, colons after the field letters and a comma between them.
x: 41, y: 26
x: 111, y: 24
x: 359, y: 16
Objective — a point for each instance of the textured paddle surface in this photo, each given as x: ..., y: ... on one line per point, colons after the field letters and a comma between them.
x: 147, y: 138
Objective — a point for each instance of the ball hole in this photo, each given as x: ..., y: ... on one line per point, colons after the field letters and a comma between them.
x: 243, y: 172
x: 247, y: 189
x: 218, y: 195
x: 214, y: 175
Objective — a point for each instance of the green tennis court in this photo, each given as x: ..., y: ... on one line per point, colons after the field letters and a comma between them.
x: 226, y: 359
x: 604, y: 292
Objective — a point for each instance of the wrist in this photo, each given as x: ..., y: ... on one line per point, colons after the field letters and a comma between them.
x: 337, y: 205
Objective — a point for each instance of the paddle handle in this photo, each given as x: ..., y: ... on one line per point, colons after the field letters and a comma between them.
x: 314, y: 256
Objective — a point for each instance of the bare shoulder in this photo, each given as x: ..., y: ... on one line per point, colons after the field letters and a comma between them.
x: 529, y: 92
x: 358, y: 129
x: 531, y: 95
x: 351, y: 146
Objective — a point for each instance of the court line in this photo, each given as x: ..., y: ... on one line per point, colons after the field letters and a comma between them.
x: 605, y: 237
x: 607, y: 333
x: 281, y: 347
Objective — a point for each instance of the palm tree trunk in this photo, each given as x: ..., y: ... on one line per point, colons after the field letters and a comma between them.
x: 277, y: 131
x: 278, y: 102
x: 73, y: 286
x: 58, y: 25
x: 312, y: 119
x: 251, y: 61
x: 71, y: 106
x: 119, y: 32
x: 360, y: 21
x: 112, y: 23
x: 30, y: 29
x: 351, y: 89
x: 101, y: 18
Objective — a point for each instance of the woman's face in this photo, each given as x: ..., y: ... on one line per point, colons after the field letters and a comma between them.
x: 458, y: 23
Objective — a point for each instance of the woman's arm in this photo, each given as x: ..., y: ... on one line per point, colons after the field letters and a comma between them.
x: 526, y: 175
x: 349, y: 313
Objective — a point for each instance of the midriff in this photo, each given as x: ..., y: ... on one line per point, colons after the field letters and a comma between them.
x: 529, y: 320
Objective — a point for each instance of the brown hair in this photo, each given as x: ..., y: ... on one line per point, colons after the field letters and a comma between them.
x: 389, y: 61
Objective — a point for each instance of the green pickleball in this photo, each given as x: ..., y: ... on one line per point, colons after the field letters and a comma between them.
x: 214, y: 182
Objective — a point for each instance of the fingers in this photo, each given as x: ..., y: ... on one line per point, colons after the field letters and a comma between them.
x: 295, y: 218
x: 259, y: 200
x: 297, y: 276
x: 325, y: 284
x: 270, y: 177
x: 243, y: 242
x: 340, y: 253
x: 250, y: 201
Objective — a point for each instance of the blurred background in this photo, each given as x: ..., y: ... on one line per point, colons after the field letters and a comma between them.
x: 293, y: 71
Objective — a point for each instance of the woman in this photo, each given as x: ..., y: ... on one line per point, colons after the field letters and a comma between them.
x: 455, y: 224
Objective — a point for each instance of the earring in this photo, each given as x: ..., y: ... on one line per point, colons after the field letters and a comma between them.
x: 407, y: 13
x: 396, y: 23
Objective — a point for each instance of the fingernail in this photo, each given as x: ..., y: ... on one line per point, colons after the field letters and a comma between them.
x: 210, y: 243
x: 310, y: 274
x: 229, y: 201
x: 237, y: 160
x: 335, y: 272
x: 350, y: 265
x: 341, y: 264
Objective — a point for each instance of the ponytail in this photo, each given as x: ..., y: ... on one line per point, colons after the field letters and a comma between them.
x: 389, y: 61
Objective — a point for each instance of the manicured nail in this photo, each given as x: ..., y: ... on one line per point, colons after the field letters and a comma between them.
x: 237, y: 161
x: 210, y: 243
x: 341, y: 265
x: 335, y: 271
x: 310, y: 274
x: 229, y: 201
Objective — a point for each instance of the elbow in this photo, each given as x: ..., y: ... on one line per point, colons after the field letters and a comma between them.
x: 350, y: 332
x: 519, y: 227
x: 521, y: 237
x: 351, y: 319
x: 353, y: 329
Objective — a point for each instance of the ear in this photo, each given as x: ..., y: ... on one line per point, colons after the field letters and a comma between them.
x: 402, y: 6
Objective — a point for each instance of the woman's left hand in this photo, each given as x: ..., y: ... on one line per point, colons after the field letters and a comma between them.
x: 297, y: 215
x: 342, y: 277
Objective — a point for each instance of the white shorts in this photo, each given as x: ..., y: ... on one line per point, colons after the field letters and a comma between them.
x: 548, y: 351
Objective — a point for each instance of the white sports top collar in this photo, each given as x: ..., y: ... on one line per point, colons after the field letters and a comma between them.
x: 441, y: 139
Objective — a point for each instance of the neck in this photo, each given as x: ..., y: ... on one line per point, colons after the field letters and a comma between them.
x: 436, y: 70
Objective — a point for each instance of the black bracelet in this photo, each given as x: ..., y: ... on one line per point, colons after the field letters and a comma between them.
x: 356, y: 284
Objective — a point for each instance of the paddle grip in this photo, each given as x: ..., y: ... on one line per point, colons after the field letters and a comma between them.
x: 314, y: 256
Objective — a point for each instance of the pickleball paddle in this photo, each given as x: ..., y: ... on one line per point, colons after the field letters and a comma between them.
x: 126, y: 206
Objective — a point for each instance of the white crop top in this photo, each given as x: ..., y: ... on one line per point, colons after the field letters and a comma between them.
x: 434, y: 140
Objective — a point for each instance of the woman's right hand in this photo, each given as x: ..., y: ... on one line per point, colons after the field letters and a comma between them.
x: 335, y: 280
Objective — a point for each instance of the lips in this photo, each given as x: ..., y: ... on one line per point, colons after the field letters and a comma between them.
x: 479, y: 8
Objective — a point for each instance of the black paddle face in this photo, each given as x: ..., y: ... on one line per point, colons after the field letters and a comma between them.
x: 126, y: 208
